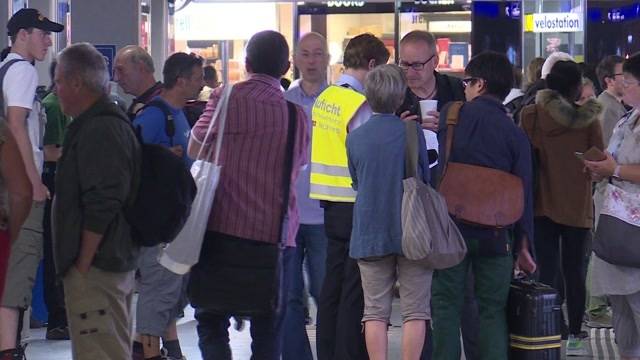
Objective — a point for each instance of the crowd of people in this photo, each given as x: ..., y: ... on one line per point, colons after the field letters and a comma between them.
x: 309, y: 201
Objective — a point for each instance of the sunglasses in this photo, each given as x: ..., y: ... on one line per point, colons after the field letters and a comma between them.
x: 469, y: 81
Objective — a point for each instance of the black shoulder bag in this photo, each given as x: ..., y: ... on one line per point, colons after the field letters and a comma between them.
x: 244, y: 277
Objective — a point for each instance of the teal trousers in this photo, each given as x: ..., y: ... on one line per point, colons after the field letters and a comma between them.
x: 492, y: 277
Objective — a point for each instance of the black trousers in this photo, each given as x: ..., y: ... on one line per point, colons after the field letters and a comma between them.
x: 562, y: 247
x: 341, y: 303
x: 53, y: 292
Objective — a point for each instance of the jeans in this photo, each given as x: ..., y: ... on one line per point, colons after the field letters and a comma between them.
x: 492, y: 278
x: 213, y: 329
x: 572, y: 247
x: 311, y: 245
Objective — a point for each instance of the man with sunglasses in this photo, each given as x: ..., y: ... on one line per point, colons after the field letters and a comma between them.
x: 484, y: 136
x: 419, y: 59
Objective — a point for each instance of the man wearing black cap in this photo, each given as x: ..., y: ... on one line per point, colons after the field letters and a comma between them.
x: 30, y: 34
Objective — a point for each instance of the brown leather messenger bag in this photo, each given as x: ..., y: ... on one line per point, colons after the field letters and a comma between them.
x: 475, y: 194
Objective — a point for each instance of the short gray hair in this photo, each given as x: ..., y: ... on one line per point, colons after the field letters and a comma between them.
x: 420, y: 36
x: 385, y: 88
x: 138, y: 55
x: 84, y: 62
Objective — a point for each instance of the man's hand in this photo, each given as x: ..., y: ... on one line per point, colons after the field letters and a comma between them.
x: 82, y: 266
x: 407, y: 116
x: 525, y: 262
x: 178, y: 150
x: 431, y: 122
x: 40, y: 192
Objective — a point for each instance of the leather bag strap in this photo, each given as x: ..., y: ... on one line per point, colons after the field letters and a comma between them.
x: 453, y: 113
x: 411, y: 150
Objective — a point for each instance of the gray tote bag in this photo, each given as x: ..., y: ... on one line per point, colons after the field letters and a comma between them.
x: 428, y: 232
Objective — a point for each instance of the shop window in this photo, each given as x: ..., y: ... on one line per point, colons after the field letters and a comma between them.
x: 206, y: 28
x: 546, y: 30
x: 339, y: 21
x: 450, y: 25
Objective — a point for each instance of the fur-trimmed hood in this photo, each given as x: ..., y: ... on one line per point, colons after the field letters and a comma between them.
x: 567, y: 114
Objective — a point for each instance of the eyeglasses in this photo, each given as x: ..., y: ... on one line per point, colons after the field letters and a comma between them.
x: 613, y: 76
x: 469, y: 81
x: 417, y: 66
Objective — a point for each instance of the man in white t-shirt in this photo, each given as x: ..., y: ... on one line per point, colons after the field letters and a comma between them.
x: 30, y: 34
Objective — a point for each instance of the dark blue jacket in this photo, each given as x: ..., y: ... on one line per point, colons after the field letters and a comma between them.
x: 486, y: 136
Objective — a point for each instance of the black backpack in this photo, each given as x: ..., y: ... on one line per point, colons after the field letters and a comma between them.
x: 169, y: 121
x: 165, y: 194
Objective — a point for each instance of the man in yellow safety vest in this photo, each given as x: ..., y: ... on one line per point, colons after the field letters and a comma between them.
x: 340, y: 108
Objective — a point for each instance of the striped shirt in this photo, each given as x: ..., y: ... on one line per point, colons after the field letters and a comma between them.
x: 248, y: 201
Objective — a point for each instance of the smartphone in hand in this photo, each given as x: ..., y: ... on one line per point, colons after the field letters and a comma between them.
x: 593, y: 154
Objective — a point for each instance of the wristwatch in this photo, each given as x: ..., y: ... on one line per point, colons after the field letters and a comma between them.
x: 616, y: 173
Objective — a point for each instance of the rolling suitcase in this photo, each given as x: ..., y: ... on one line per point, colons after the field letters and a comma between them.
x: 534, y: 321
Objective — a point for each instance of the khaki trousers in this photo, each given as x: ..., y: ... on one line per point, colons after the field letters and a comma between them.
x: 99, y: 313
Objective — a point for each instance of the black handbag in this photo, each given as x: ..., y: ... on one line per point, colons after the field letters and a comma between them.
x: 618, y: 228
x: 243, y: 277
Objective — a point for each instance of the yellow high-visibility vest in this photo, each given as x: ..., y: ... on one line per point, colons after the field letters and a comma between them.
x: 332, y: 111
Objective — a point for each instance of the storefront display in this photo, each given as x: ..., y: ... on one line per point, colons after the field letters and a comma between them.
x: 449, y: 21
x: 451, y: 28
x: 462, y: 28
x: 202, y: 28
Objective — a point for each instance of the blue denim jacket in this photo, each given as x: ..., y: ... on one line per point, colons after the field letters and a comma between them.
x: 376, y: 153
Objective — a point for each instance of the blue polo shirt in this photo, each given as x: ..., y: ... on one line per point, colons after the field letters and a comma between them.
x: 152, y: 123
x: 310, y: 211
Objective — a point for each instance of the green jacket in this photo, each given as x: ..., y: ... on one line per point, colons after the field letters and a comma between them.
x: 95, y: 179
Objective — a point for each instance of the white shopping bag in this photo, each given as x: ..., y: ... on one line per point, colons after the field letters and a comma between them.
x: 181, y: 254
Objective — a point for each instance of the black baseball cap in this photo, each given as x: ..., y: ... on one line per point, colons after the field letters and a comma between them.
x: 31, y: 18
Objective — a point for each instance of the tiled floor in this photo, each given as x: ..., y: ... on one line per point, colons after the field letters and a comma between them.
x: 40, y: 349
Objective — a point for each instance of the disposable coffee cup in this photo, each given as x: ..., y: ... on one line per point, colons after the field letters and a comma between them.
x: 426, y: 106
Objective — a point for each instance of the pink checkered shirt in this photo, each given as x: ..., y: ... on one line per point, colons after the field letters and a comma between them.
x: 248, y: 201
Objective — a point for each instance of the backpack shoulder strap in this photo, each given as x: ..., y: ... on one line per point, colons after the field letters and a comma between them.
x: 3, y: 72
x: 288, y: 168
x: 453, y: 113
x: 169, y: 121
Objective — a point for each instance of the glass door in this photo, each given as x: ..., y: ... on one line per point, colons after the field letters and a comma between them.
x: 219, y: 31
x: 553, y: 25
x: 339, y: 21
x: 15, y: 5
